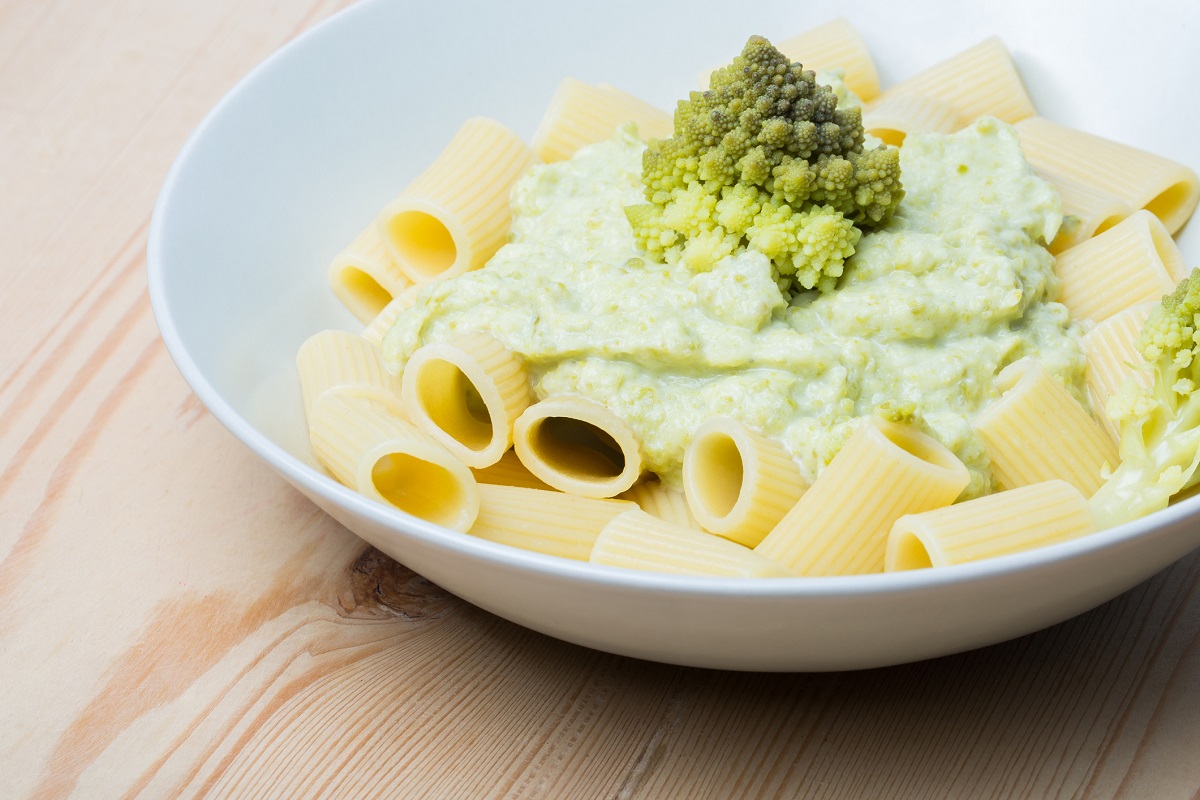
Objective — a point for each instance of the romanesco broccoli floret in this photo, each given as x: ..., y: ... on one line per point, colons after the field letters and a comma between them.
x: 765, y: 159
x: 1160, y: 423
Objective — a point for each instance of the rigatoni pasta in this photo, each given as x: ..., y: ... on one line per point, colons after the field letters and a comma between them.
x: 543, y: 521
x: 1135, y: 261
x: 1166, y: 188
x: 1007, y: 522
x: 637, y: 540
x: 364, y: 277
x: 467, y: 395
x: 1087, y: 211
x: 979, y: 81
x: 840, y: 525
x: 581, y: 114
x: 1037, y: 431
x: 738, y: 483
x: 455, y: 215
x: 577, y: 445
x: 661, y: 501
x: 386, y: 318
x: 342, y: 362
x: 509, y: 471
x: 1112, y: 358
x: 385, y: 458
x: 894, y: 116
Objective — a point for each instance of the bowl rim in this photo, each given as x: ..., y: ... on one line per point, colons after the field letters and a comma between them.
x: 311, y: 480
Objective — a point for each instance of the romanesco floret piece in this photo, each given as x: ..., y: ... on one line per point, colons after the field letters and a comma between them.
x: 808, y: 248
x: 1160, y: 423
x: 765, y: 159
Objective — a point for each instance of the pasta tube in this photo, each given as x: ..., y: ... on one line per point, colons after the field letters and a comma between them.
x: 1111, y: 350
x: 738, y: 483
x: 1167, y: 189
x: 455, y: 215
x: 1087, y: 211
x: 1036, y: 431
x: 980, y: 81
x: 549, y: 522
x: 637, y: 540
x: 578, y: 446
x: 385, y: 458
x: 1006, y: 522
x: 1135, y: 261
x: 840, y: 525
x: 364, y: 277
x: 341, y: 361
x: 659, y: 501
x: 581, y: 114
x: 385, y: 319
x: 895, y: 116
x: 466, y: 394
x: 509, y: 471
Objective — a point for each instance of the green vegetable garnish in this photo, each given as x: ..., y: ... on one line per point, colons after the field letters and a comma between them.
x: 765, y: 160
x: 1160, y: 423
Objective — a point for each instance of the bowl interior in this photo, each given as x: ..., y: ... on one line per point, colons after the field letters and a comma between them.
x: 297, y: 159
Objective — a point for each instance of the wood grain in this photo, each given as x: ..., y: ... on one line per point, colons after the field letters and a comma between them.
x: 178, y: 622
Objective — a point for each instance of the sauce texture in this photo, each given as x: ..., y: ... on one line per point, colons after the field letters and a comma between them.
x: 931, y: 307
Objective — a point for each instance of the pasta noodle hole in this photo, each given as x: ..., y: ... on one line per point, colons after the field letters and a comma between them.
x: 365, y: 291
x: 420, y: 487
x: 578, y: 448
x: 910, y: 553
x: 1008, y: 378
x: 423, y: 241
x: 453, y: 403
x: 1167, y: 203
x: 1167, y: 252
x: 719, y: 471
x: 918, y: 446
x: 892, y: 136
x: 1107, y: 223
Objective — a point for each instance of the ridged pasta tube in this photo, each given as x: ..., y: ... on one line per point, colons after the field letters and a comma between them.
x: 637, y: 540
x: 509, y: 471
x: 578, y: 446
x: 1166, y: 188
x: 1087, y: 211
x: 660, y: 501
x: 581, y: 114
x: 549, y: 522
x: 1006, y: 522
x: 1036, y: 431
x: 385, y: 319
x: 1135, y: 261
x: 980, y: 81
x: 456, y: 214
x: 739, y: 483
x: 385, y: 458
x: 1111, y: 350
x: 466, y: 394
x: 364, y: 277
x: 894, y: 116
x: 340, y: 361
x: 840, y: 525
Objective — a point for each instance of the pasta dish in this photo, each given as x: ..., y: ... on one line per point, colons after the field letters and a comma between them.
x: 802, y: 327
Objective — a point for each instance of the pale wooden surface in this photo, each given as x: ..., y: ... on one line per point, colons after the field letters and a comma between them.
x: 178, y: 622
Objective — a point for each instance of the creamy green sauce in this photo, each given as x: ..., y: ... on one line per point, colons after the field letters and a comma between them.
x: 931, y: 307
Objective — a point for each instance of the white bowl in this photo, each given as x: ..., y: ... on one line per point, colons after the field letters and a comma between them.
x: 294, y: 161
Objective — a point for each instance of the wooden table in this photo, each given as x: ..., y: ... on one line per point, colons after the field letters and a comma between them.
x: 177, y: 621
